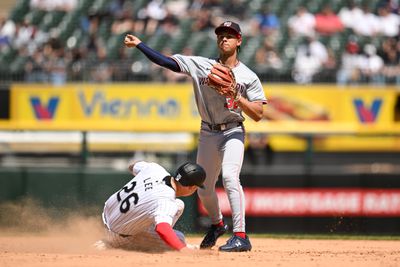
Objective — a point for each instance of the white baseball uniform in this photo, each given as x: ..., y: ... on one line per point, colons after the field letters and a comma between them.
x: 221, y: 149
x: 131, y: 214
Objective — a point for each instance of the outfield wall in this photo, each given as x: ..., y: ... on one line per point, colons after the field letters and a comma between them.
x: 284, y: 203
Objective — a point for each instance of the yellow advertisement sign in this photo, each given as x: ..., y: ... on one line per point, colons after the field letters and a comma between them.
x: 292, y: 112
x: 106, y: 107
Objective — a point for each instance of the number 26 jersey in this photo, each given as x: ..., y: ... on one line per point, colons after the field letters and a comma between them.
x: 142, y: 203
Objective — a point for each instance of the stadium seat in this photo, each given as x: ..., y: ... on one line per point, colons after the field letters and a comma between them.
x: 179, y: 42
x: 51, y: 20
x: 35, y: 16
x: 20, y: 10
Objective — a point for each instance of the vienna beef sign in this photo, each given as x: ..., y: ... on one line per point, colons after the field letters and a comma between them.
x: 316, y: 202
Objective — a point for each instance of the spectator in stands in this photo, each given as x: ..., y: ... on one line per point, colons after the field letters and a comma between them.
x: 101, y: 71
x: 203, y: 21
x: 350, y: 14
x: 152, y: 15
x: 389, y: 22
x: 178, y: 8
x: 266, y: 22
x: 310, y: 59
x: 7, y: 32
x: 349, y: 71
x: 392, y: 5
x: 197, y: 5
x: 236, y: 9
x: 368, y: 25
x: 122, y: 23
x: 57, y: 67
x: 327, y: 22
x: 170, y: 25
x: 121, y: 68
x: 34, y: 68
x: 267, y: 59
x: 391, y: 58
x: 56, y: 64
x: 302, y: 23
x: 50, y: 5
x: 24, y: 34
x: 76, y: 64
x: 371, y: 65
x: 361, y: 20
x: 117, y: 7
x: 328, y: 70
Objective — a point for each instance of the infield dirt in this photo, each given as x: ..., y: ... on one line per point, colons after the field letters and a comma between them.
x: 73, y: 247
x: 32, y: 239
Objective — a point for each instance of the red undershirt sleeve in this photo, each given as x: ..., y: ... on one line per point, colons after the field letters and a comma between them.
x: 167, y: 234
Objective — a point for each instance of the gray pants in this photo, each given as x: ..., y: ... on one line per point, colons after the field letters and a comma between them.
x: 222, y: 151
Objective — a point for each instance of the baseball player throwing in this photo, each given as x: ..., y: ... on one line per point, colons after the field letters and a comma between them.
x: 221, y: 140
x: 141, y: 215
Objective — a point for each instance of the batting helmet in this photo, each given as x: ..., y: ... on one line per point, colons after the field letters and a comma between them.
x: 189, y: 174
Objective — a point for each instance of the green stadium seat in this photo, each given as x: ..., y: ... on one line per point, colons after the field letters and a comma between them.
x: 8, y: 54
x: 209, y: 48
x: 197, y: 41
x: 113, y: 45
x: 18, y: 65
x: 84, y: 5
x: 138, y: 4
x: 51, y: 20
x: 68, y: 24
x: 179, y: 42
x: 35, y: 16
x: 99, y: 6
x: 249, y: 49
x: 20, y: 10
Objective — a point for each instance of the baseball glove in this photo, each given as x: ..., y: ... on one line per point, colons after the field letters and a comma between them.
x: 222, y: 79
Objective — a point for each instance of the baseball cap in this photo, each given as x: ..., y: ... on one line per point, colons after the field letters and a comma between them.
x: 189, y: 174
x: 228, y: 25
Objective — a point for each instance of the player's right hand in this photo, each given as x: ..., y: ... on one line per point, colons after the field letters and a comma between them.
x: 131, y: 40
x: 190, y: 248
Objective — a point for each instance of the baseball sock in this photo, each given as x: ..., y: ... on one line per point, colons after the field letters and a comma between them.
x: 240, y: 234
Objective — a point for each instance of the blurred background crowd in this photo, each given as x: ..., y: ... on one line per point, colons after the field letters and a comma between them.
x: 315, y: 41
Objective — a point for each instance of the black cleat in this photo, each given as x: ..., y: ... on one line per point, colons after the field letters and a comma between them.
x: 212, y: 235
x: 236, y: 244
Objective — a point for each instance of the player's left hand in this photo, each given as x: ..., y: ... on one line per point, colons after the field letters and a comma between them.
x: 222, y: 79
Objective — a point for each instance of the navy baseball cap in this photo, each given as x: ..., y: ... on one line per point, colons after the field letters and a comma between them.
x: 189, y: 174
x: 228, y: 25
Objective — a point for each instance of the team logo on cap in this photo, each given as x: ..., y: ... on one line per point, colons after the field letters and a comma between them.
x: 227, y: 24
x: 178, y: 177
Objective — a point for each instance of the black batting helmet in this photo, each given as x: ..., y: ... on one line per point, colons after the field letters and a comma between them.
x: 189, y: 174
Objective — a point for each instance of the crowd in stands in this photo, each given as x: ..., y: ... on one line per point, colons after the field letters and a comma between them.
x: 350, y: 44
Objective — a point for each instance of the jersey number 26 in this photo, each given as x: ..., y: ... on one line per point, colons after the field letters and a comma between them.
x: 126, y: 204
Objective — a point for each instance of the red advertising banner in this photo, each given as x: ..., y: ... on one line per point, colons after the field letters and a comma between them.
x: 316, y: 202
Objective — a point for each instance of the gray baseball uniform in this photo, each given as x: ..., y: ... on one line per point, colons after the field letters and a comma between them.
x: 221, y: 147
x: 131, y: 214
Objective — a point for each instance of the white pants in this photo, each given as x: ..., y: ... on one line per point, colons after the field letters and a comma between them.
x: 146, y: 240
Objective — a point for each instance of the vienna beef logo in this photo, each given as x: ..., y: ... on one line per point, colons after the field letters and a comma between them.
x: 367, y: 114
x: 44, y: 111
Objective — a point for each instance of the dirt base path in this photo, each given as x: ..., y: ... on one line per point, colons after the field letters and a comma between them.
x: 76, y: 250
